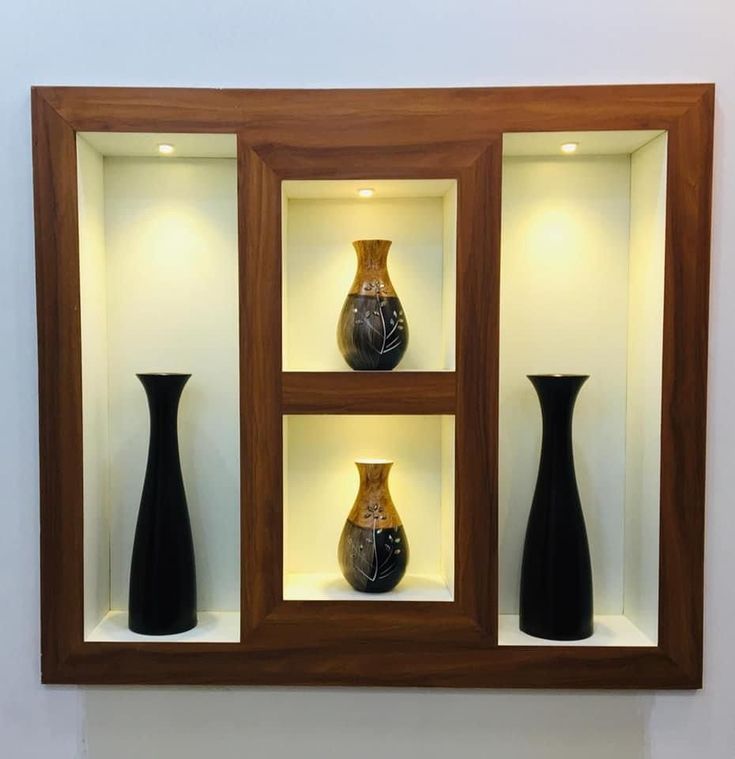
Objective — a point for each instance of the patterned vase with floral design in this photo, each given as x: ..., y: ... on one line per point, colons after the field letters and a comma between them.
x: 373, y: 550
x: 372, y: 332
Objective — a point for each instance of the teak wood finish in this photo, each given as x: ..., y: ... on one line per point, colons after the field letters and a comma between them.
x: 301, y: 134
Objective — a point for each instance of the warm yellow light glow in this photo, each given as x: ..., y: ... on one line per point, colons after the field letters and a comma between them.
x: 366, y: 192
x: 569, y: 147
x: 165, y: 149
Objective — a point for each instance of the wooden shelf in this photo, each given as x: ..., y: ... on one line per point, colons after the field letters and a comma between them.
x: 610, y: 630
x: 333, y: 587
x: 369, y: 392
x: 212, y: 627
x: 454, y: 134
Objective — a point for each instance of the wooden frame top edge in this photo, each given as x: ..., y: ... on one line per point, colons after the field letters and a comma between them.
x: 126, y: 109
x: 697, y: 88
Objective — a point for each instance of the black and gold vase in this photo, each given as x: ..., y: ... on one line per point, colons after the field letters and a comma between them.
x: 372, y: 332
x: 556, y: 575
x: 163, y: 595
x: 373, y: 550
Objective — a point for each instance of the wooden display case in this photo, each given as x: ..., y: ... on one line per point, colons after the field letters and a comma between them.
x: 230, y: 258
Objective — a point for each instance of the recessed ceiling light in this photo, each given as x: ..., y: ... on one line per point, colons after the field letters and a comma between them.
x: 569, y: 147
x: 366, y: 192
x: 165, y: 149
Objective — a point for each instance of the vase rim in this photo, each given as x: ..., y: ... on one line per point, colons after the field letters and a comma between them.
x: 374, y: 461
x: 373, y: 239
x: 161, y: 374
x: 558, y: 376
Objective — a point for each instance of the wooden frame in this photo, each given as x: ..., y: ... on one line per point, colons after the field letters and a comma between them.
x: 453, y: 133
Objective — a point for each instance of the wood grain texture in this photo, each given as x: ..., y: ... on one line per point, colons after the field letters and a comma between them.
x: 374, y: 489
x: 381, y: 134
x: 261, y: 450
x: 478, y: 314
x: 317, y: 392
x: 369, y: 392
x: 293, y: 654
x: 684, y: 390
x: 392, y: 159
x: 59, y: 387
x: 362, y: 118
x: 372, y: 264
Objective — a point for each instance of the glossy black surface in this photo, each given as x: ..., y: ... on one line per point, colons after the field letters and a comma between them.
x: 556, y: 576
x: 373, y: 560
x: 372, y: 332
x: 162, y: 573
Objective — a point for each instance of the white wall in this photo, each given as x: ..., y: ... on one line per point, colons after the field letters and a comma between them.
x: 290, y: 43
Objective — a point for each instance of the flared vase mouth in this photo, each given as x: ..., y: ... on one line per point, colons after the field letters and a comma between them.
x: 161, y: 374
x: 163, y: 382
x: 374, y: 462
x: 374, y: 241
x: 558, y: 376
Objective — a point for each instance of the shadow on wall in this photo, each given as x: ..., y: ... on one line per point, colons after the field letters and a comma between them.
x: 277, y: 723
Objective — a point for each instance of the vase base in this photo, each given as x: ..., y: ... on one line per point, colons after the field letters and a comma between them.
x: 536, y: 632
x: 158, y: 630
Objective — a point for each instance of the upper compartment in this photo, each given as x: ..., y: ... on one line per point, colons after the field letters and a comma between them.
x: 321, y: 220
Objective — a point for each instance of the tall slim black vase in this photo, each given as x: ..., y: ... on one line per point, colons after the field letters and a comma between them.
x: 556, y: 576
x: 163, y: 596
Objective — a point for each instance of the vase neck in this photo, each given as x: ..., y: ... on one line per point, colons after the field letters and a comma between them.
x: 373, y: 505
x: 372, y: 276
x: 164, y: 392
x: 557, y: 395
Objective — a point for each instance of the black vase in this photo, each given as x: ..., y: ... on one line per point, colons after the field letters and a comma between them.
x: 163, y: 597
x: 556, y: 576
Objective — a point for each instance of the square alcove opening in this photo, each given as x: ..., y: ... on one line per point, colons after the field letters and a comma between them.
x: 320, y: 485
x: 582, y: 284
x: 158, y: 257
x: 322, y: 218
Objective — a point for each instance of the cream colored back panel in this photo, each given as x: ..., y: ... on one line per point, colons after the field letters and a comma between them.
x: 95, y: 402
x: 582, y: 292
x: 160, y: 293
x: 322, y: 482
x: 645, y: 334
x: 564, y: 291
